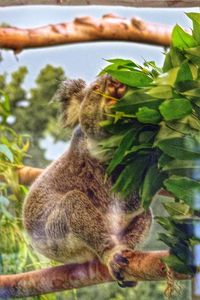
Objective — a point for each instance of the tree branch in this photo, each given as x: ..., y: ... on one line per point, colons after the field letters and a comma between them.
x: 142, y: 266
x: 26, y: 175
x: 135, y: 3
x: 85, y: 29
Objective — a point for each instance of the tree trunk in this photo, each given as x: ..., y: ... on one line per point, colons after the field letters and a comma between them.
x: 142, y: 266
x: 135, y: 3
x: 86, y: 29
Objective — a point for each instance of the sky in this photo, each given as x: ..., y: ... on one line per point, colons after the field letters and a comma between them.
x: 80, y: 60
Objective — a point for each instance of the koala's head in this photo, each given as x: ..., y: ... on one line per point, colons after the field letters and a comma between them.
x: 89, y: 105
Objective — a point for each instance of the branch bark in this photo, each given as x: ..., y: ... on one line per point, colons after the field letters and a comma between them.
x: 142, y: 266
x: 135, y: 3
x: 85, y: 29
x: 26, y: 175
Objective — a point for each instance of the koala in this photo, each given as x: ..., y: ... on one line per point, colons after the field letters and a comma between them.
x: 70, y: 213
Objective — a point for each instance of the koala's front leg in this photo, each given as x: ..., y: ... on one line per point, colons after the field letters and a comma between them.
x: 76, y: 214
x: 130, y: 237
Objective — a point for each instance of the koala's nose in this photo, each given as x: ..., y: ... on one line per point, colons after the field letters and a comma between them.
x: 116, y: 89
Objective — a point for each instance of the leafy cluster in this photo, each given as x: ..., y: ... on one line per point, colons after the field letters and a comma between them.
x: 13, y: 148
x: 155, y: 138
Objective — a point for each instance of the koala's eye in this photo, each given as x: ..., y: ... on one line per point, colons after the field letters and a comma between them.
x: 96, y: 87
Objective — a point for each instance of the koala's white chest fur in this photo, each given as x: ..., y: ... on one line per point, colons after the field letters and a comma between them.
x: 96, y: 150
x: 117, y: 220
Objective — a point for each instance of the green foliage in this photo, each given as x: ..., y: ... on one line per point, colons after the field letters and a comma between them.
x: 163, y: 149
x: 13, y: 149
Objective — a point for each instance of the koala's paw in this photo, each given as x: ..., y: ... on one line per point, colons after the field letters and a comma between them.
x: 118, y: 266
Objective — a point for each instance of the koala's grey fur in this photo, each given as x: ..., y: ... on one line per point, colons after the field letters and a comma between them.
x: 70, y: 213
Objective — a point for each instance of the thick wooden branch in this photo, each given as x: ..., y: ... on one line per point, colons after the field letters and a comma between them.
x: 135, y: 3
x: 85, y: 29
x: 26, y: 175
x: 142, y: 266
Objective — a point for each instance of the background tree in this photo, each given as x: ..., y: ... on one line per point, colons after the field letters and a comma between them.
x: 32, y: 112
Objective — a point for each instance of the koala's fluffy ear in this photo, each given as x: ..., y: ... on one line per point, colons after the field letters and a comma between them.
x: 70, y: 94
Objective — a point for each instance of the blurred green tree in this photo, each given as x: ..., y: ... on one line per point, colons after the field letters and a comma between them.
x: 32, y: 111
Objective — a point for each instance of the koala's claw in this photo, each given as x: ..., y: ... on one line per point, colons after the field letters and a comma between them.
x: 118, y: 276
x: 121, y: 260
x: 118, y: 266
x: 124, y: 284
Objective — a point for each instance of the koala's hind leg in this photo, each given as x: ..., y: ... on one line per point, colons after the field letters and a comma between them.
x: 76, y: 214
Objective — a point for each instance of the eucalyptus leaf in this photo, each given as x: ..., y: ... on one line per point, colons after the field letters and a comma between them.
x: 167, y: 63
x: 177, y: 208
x: 6, y: 151
x: 131, y: 78
x: 164, y: 222
x: 196, y: 25
x: 137, y: 148
x: 184, y: 73
x: 125, y: 145
x: 178, y: 265
x: 167, y: 80
x: 153, y: 181
x: 161, y: 92
x: 184, y: 86
x: 122, y: 62
x: 175, y: 109
x: 183, y: 252
x: 133, y: 100
x: 148, y: 115
x: 182, y: 164
x: 116, y: 64
x: 163, y: 160
x: 182, y: 39
x: 131, y: 177
x: 185, y: 189
x: 177, y: 57
x: 192, y: 93
x: 167, y: 132
x: 146, y: 136
x: 188, y: 125
x: 185, y: 148
x: 195, y: 51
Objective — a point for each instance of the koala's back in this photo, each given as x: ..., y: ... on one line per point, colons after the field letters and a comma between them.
x: 74, y: 170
